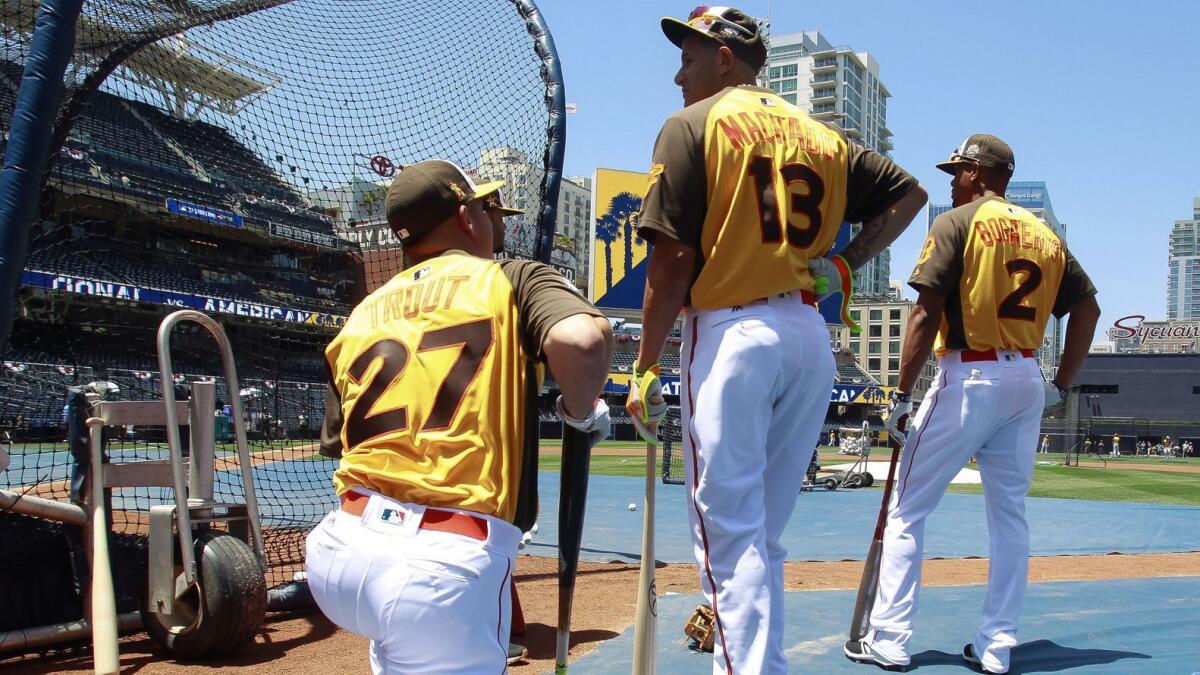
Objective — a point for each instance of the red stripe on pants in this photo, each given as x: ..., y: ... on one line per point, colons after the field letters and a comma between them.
x: 695, y: 505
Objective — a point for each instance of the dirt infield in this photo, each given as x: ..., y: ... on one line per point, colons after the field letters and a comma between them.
x: 604, y: 607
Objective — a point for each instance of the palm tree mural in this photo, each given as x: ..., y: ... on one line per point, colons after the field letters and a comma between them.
x: 625, y: 209
x: 607, y: 231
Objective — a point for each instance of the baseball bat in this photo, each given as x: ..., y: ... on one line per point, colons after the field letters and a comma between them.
x: 103, y: 600
x: 860, y: 621
x: 646, y: 622
x: 576, y: 454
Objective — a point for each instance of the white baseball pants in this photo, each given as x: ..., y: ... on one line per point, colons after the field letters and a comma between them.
x: 431, y: 602
x: 990, y: 410
x: 755, y: 389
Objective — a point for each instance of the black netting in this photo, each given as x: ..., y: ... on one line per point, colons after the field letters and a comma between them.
x: 232, y: 157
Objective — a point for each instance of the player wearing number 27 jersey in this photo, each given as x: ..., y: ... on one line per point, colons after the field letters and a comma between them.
x: 745, y: 193
x: 432, y: 412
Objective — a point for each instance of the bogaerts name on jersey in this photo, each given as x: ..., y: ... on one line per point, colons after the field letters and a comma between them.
x: 1016, y: 233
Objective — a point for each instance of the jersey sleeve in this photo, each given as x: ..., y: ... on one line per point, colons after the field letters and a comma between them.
x: 874, y: 185
x: 331, y: 429
x: 544, y: 298
x: 940, y: 266
x: 1076, y: 286
x: 677, y: 192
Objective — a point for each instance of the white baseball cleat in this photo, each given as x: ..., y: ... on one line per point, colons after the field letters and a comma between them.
x: 885, y: 654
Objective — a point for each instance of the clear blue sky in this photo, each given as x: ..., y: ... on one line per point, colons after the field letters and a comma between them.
x: 1101, y: 100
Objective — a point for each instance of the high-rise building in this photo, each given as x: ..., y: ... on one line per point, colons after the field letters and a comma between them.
x: 1035, y: 197
x: 933, y: 212
x: 1183, y: 268
x: 836, y: 84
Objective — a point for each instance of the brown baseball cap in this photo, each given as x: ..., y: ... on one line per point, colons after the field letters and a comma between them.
x: 425, y: 194
x: 981, y: 149
x: 727, y: 25
x: 495, y: 202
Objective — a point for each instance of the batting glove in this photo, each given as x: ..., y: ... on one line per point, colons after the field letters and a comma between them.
x: 646, y: 404
x: 596, y: 425
x: 1054, y: 393
x: 830, y: 276
x: 898, y: 413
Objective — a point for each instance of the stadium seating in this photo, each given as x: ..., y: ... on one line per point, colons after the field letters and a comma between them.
x: 133, y: 148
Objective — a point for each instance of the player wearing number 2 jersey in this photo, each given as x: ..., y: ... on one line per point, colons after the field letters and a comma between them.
x: 989, y: 277
x: 745, y: 192
x: 433, y: 415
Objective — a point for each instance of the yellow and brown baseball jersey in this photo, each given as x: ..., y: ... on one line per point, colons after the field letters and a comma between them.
x: 1003, y: 272
x: 429, y: 384
x: 758, y: 189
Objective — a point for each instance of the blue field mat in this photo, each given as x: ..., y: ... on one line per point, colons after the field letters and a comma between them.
x: 1123, y: 626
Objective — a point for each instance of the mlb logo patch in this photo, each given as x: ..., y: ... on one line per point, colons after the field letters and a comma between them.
x: 392, y: 516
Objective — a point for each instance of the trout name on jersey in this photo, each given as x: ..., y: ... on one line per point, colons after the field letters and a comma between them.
x: 415, y: 299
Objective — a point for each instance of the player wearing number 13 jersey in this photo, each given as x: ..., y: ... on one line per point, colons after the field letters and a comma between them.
x: 745, y: 192
x: 432, y: 411
x: 989, y: 277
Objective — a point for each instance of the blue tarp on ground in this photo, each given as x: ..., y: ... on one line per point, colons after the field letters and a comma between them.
x: 1123, y: 626
x: 838, y: 525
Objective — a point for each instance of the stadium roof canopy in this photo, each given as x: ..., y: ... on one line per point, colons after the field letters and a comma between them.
x: 187, y: 75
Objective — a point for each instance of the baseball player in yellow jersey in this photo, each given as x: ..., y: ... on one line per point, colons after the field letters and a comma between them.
x: 746, y: 193
x: 989, y: 276
x: 429, y: 412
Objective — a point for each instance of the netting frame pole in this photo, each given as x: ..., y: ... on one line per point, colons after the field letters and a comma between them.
x: 556, y: 126
x: 30, y: 138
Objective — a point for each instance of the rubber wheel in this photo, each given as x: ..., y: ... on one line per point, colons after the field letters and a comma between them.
x: 854, y: 481
x: 868, y: 479
x: 830, y: 484
x: 222, y: 613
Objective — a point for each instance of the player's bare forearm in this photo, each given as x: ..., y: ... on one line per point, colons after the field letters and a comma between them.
x: 1081, y: 328
x: 668, y: 278
x: 918, y: 341
x: 879, y: 232
x: 578, y: 349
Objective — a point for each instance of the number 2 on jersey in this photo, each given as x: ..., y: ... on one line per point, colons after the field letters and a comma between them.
x: 1013, y: 306
x: 762, y: 169
x: 362, y: 425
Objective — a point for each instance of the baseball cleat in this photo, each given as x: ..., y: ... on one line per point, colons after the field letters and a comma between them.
x: 861, y: 652
x: 970, y: 657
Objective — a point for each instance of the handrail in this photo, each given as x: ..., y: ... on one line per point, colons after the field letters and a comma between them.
x: 239, y: 427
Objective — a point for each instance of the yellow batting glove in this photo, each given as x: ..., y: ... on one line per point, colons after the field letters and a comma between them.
x: 646, y: 404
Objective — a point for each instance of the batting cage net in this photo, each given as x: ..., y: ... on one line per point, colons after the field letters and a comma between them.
x: 670, y: 433
x: 232, y: 157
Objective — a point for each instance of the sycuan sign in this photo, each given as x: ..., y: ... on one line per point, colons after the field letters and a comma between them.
x: 1136, y: 326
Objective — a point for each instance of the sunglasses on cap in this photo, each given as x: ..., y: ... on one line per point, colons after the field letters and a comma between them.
x: 701, y: 19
